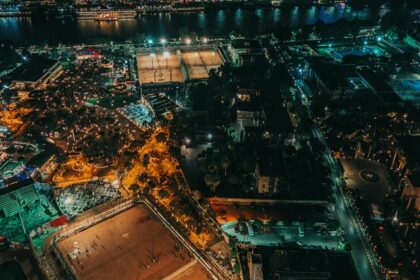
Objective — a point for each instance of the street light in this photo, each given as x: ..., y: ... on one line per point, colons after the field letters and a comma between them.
x: 205, y: 40
x: 188, y: 41
x: 150, y: 41
x: 162, y: 40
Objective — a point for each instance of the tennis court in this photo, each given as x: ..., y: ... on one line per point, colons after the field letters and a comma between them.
x: 159, y: 68
x: 199, y: 63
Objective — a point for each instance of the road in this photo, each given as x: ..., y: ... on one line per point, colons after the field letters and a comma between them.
x: 209, y: 264
x: 363, y: 255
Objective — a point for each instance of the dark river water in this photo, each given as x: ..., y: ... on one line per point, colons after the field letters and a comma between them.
x: 41, y: 29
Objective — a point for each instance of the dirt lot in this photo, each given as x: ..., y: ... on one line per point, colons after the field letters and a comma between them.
x: 131, y: 245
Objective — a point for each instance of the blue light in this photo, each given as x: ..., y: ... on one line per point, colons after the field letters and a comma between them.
x: 150, y: 41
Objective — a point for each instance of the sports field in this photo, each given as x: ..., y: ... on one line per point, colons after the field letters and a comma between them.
x: 132, y: 245
x: 199, y: 63
x: 339, y: 52
x: 159, y: 68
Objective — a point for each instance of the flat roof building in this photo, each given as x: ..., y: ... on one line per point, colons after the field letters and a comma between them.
x: 288, y: 264
x: 33, y: 72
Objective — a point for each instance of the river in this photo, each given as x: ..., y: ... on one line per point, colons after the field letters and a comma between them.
x: 41, y: 29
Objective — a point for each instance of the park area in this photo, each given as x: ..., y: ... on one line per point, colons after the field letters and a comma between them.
x: 131, y: 245
x: 159, y: 68
x: 199, y: 63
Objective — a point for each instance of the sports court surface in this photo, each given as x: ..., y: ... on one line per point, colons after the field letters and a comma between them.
x: 159, y: 68
x: 199, y: 63
x: 132, y: 245
x: 339, y: 52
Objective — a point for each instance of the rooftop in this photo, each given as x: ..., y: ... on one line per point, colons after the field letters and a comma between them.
x: 271, y: 163
x: 306, y: 264
x: 415, y: 178
x: 32, y: 70
x: 334, y: 76
x: 410, y: 145
x: 251, y: 103
x: 246, y: 44
x: 379, y: 86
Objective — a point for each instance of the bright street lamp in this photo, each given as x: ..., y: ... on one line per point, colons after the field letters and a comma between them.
x: 163, y: 40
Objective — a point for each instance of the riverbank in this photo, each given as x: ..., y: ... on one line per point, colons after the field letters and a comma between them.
x: 53, y: 31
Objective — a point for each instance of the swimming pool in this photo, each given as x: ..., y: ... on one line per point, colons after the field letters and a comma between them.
x: 413, y: 84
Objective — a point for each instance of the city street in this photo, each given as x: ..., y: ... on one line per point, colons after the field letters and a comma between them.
x: 364, y: 259
x: 363, y: 256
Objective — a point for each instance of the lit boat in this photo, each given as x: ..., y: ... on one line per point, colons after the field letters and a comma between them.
x: 106, y: 14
